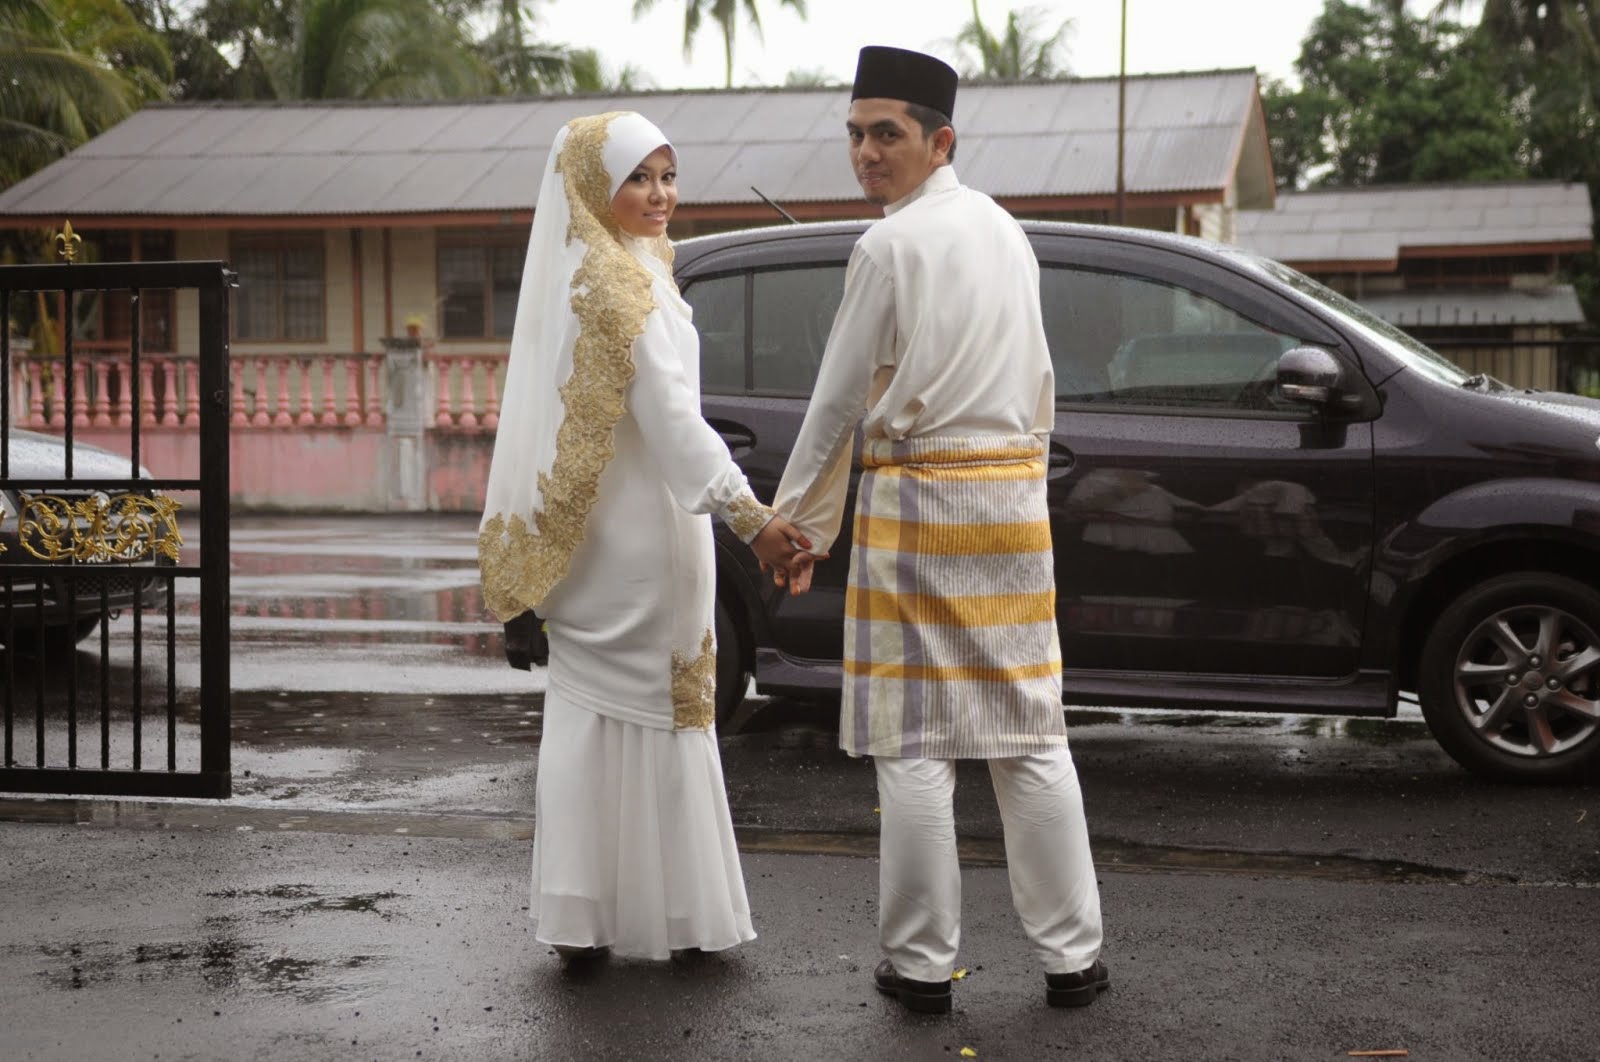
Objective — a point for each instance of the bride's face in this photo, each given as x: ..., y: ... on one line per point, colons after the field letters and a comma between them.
x: 646, y: 200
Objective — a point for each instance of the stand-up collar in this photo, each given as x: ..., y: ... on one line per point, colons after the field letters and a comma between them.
x: 943, y: 179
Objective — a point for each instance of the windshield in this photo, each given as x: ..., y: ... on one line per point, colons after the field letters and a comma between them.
x: 1408, y: 349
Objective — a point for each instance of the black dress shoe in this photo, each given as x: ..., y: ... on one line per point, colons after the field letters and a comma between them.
x: 924, y: 997
x: 1076, y: 989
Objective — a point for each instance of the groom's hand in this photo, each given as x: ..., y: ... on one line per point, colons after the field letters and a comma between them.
x: 777, y: 544
x: 784, y: 550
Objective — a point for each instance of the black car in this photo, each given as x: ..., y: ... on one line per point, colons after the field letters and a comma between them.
x: 58, y: 611
x: 1262, y: 496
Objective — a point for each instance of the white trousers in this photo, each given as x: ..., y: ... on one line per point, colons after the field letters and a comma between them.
x: 1047, y: 853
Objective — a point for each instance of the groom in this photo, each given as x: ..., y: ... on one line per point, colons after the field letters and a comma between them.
x: 951, y: 649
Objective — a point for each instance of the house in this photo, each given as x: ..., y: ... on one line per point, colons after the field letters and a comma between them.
x: 1473, y: 269
x: 345, y: 220
x: 353, y: 224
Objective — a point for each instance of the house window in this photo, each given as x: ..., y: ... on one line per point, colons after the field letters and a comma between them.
x: 105, y: 319
x: 479, y: 275
x: 282, y: 287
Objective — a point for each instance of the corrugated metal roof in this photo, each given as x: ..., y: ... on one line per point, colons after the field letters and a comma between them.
x: 1557, y: 304
x: 1186, y: 133
x: 1375, y: 224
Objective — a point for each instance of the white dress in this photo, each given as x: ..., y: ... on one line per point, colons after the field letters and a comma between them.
x: 634, y: 846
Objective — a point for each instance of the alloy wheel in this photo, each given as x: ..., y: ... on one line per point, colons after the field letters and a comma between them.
x: 1526, y: 681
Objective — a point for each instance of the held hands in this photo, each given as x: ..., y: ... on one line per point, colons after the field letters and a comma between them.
x: 784, y: 551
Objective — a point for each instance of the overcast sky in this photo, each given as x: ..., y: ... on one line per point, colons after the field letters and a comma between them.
x: 1163, y: 35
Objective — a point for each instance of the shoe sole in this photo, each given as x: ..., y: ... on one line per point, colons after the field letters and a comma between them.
x: 1081, y: 996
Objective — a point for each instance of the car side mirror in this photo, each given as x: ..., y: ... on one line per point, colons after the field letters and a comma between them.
x: 1311, y: 374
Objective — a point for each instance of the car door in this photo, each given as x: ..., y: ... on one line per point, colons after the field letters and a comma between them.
x: 763, y: 330
x: 1204, y: 523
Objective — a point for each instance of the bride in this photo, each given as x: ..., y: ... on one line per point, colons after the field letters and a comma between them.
x: 596, y: 516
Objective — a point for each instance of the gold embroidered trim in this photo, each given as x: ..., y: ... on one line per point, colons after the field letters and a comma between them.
x: 99, y: 528
x: 520, y: 565
x: 694, y: 687
x: 746, y: 516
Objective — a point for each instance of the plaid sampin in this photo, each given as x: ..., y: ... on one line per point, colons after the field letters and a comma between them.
x: 950, y: 646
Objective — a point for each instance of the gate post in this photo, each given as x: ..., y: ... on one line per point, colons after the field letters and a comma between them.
x: 404, y: 388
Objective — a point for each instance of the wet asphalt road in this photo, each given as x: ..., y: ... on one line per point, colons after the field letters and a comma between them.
x: 1275, y: 887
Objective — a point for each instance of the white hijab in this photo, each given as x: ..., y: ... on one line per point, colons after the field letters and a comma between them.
x: 584, y: 299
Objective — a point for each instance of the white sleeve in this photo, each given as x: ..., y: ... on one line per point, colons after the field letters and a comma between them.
x: 811, y: 494
x: 692, y: 458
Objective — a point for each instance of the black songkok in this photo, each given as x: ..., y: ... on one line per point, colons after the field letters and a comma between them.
x: 898, y: 74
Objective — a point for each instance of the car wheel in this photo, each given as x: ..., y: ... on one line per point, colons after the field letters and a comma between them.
x: 732, y: 679
x: 57, y: 640
x: 1510, y: 678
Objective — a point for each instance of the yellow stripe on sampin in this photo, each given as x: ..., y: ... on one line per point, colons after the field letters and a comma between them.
x: 973, y: 610
x: 944, y: 540
x: 954, y: 673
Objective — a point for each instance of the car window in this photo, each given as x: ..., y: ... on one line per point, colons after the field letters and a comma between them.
x: 794, y: 309
x: 718, y: 304
x: 1123, y: 340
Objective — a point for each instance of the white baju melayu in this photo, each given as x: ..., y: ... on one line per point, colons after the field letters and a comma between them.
x: 938, y: 350
x: 596, y: 516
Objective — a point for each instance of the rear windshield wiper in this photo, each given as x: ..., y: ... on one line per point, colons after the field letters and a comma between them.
x: 1482, y: 381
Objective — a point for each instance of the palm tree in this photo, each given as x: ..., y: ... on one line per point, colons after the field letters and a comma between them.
x: 1022, y: 51
x: 72, y: 69
x: 379, y: 49
x: 520, y: 63
x: 725, y: 13
x: 587, y: 72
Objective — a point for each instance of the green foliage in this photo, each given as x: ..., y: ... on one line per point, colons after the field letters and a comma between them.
x: 725, y: 15
x: 73, y: 68
x: 1547, y: 55
x: 811, y: 77
x: 381, y: 49
x: 1023, y: 50
x: 1387, y: 97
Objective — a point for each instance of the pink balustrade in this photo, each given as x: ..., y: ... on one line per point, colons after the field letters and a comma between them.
x: 466, y: 390
x: 265, y: 390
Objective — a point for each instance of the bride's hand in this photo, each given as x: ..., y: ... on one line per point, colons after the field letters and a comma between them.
x: 783, y: 549
x: 777, y: 544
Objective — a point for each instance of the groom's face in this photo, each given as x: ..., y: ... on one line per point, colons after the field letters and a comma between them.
x: 888, y: 149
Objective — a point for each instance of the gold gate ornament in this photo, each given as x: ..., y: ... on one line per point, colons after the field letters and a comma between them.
x: 124, y: 527
x: 68, y: 242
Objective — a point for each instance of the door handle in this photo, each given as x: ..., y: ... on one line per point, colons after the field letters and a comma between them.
x: 738, y: 438
x: 1061, y: 458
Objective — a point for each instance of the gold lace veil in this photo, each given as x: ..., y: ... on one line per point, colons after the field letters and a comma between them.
x: 583, y: 301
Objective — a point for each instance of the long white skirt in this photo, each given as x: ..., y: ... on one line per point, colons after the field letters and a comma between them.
x: 633, y: 844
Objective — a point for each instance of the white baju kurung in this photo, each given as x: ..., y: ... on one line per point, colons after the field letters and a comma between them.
x: 596, y: 517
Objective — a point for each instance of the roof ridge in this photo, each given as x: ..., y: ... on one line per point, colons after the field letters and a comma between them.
x: 475, y: 101
x: 1416, y: 186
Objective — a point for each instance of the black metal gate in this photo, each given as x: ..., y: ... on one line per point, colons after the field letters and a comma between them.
x: 114, y: 619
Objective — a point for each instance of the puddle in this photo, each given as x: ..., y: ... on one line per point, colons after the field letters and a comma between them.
x: 222, y: 962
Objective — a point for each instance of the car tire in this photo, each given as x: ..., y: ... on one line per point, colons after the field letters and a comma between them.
x: 57, y: 640
x: 732, y: 679
x: 1509, y: 678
